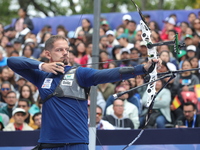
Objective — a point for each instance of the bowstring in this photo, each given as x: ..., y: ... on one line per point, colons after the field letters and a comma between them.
x: 151, y: 105
x: 87, y: 100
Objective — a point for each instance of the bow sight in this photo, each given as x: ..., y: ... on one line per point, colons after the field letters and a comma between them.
x: 175, y: 42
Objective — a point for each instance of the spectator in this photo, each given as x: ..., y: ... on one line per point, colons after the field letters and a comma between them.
x: 165, y: 68
x: 61, y: 30
x: 184, y: 80
x: 161, y: 108
x: 5, y: 88
x: 24, y: 104
x: 196, y: 26
x: 153, y: 25
x: 11, y: 77
x: 103, y: 44
x: 102, y: 124
x: 4, y: 41
x: 26, y: 92
x: 191, y: 51
x: 86, y: 27
x: 140, y: 81
x: 14, y: 53
x: 27, y: 51
x: 44, y: 38
x: 106, y: 89
x: 184, y: 25
x: 72, y: 59
x: 4, y: 120
x: 105, y: 25
x: 62, y: 33
x: 189, y: 31
x: 34, y: 90
x: 190, y: 118
x: 156, y: 35
x: 130, y: 109
x: 165, y: 56
x: 135, y: 55
x: 123, y: 41
x: 171, y: 35
x: 80, y: 51
x: 102, y: 32
x: 9, y: 49
x: 195, y: 62
x: 23, y: 21
x: 125, y: 19
x: 86, y: 60
x: 80, y: 38
x: 100, y: 102
x: 104, y: 57
x: 20, y: 81
x: 196, y: 43
x: 188, y: 40
x: 191, y: 17
x: 170, y: 25
x: 138, y: 36
x: 36, y: 48
x: 143, y: 49
x: 11, y: 33
x: 37, y: 118
x: 116, y: 52
x: 4, y: 73
x: 1, y: 124
x: 117, y: 119
x: 18, y: 124
x: 119, y: 31
x: 11, y: 101
x: 18, y: 46
x: 181, y: 57
x: 41, y: 32
x: 125, y: 58
x: 130, y: 30
x: 3, y: 58
x: 112, y: 41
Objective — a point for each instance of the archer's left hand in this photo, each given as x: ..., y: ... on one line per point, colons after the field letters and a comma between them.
x: 151, y: 62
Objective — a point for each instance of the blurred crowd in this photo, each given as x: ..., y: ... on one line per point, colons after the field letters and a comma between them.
x: 177, y: 105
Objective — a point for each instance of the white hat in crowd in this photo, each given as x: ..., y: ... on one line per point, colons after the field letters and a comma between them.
x: 143, y: 43
x: 29, y: 40
x: 171, y: 21
x: 127, y: 17
x: 191, y: 48
x: 110, y: 32
x: 125, y: 50
x: 16, y: 110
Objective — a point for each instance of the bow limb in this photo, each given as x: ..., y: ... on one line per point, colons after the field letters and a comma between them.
x: 152, y: 54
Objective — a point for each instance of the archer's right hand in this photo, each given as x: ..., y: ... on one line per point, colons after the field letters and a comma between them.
x: 54, y: 67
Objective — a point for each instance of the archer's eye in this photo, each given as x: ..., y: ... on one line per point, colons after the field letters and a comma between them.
x: 59, y: 50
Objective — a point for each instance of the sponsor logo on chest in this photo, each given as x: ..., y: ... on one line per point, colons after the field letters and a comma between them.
x: 47, y: 83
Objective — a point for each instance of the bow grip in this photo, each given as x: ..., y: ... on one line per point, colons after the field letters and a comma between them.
x: 151, y: 68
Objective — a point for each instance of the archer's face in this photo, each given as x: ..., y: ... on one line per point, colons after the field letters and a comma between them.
x: 59, y: 53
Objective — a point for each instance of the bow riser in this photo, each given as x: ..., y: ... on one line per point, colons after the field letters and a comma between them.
x: 152, y: 54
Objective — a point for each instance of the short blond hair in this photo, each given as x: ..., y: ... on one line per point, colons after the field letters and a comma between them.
x: 49, y: 43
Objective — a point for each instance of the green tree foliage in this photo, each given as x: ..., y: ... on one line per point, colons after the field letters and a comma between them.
x: 6, y: 15
x: 69, y: 7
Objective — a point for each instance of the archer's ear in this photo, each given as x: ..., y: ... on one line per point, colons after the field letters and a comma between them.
x: 47, y: 54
